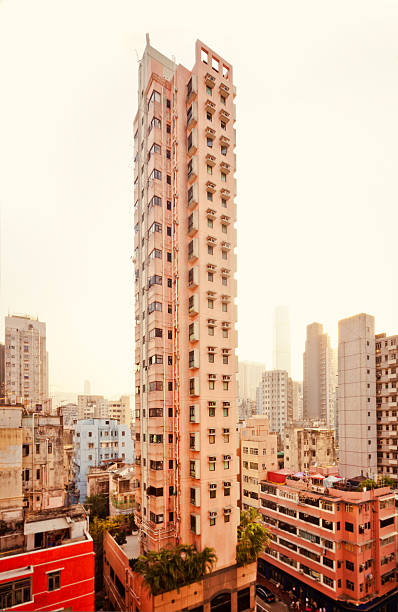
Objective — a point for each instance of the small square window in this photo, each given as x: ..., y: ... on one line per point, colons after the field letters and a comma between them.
x: 212, y: 521
x: 212, y: 493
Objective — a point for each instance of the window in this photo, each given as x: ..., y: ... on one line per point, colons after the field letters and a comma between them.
x: 167, y: 103
x: 210, y: 276
x: 210, y: 331
x: 226, y: 464
x: 223, y: 125
x: 212, y: 411
x: 225, y: 333
x: 210, y: 198
x: 223, y: 149
x: 54, y: 580
x: 155, y: 227
x: 155, y: 174
x: 155, y: 97
x: 210, y: 303
x: 223, y: 177
x: 212, y: 464
x: 224, y: 307
x: 156, y: 253
x: 223, y: 99
x: 50, y: 448
x: 224, y: 203
x: 349, y: 565
x: 349, y: 527
x: 209, y: 116
x: 212, y: 520
x: 210, y: 249
x: 225, y: 385
x: 211, y: 385
x: 224, y: 228
x: 15, y: 593
x: 225, y: 411
x: 225, y: 359
x: 210, y: 222
x: 210, y: 142
x: 213, y: 493
x: 168, y: 128
x: 211, y: 357
x: 168, y: 230
x: 350, y: 585
x: 209, y: 169
x: 208, y: 90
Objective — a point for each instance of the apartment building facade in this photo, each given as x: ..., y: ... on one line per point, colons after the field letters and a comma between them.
x: 92, y: 407
x: 275, y: 399
x: 96, y: 442
x: 26, y: 361
x: 43, y: 476
x: 334, y: 546
x: 308, y: 447
x: 356, y: 397
x: 258, y: 453
x: 185, y: 338
x: 386, y: 362
x: 120, y: 410
x: 319, y: 376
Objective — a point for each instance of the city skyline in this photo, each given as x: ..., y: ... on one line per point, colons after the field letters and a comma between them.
x: 324, y: 169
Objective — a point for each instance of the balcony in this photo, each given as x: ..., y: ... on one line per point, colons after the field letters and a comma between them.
x: 194, y: 332
x: 225, y: 167
x: 210, y: 160
x: 210, y: 107
x: 210, y: 80
x: 193, y: 249
x: 193, y: 223
x: 224, y: 90
x: 211, y: 240
x: 192, y: 116
x: 224, y: 115
x: 210, y: 213
x: 224, y: 140
x: 193, y: 170
x: 192, y: 143
x: 193, y: 195
x: 210, y: 187
x: 226, y: 246
x: 225, y: 219
x: 193, y: 308
x: 210, y: 133
x: 226, y: 194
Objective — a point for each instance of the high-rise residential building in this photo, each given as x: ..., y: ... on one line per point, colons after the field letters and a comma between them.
x: 2, y: 372
x: 185, y: 289
x: 297, y: 401
x: 26, y: 361
x: 276, y: 399
x: 92, y: 407
x: 319, y: 383
x: 70, y: 415
x: 357, y: 397
x: 281, y: 353
x: 249, y: 378
x: 386, y: 348
x: 120, y: 410
x: 97, y: 442
x: 334, y: 545
x: 308, y: 447
x: 258, y: 452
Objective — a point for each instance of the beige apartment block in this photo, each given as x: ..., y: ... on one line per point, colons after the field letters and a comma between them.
x: 297, y: 409
x: 308, y: 447
x: 185, y: 312
x: 357, y: 397
x: 92, y: 407
x: 275, y: 399
x: 120, y: 410
x: 386, y: 404
x: 42, y: 461
x: 26, y: 361
x: 258, y: 452
x: 319, y: 376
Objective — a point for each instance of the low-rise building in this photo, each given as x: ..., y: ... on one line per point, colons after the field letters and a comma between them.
x: 258, y: 453
x: 96, y: 442
x: 122, y: 485
x: 308, y: 447
x: 335, y: 546
x: 47, y: 562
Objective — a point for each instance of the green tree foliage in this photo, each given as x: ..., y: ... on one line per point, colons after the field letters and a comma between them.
x: 253, y: 537
x: 98, y: 505
x: 174, y: 567
x: 367, y: 484
x: 98, y: 527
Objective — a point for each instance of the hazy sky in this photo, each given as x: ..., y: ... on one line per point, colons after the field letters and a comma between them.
x: 317, y: 159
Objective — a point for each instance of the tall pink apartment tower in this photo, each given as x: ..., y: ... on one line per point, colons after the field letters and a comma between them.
x: 185, y: 289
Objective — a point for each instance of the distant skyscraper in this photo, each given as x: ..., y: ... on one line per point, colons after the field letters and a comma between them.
x: 2, y: 371
x: 356, y: 404
x: 87, y: 387
x: 249, y: 378
x: 26, y: 361
x: 319, y: 367
x: 281, y: 355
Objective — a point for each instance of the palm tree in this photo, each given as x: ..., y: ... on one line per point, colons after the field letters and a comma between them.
x: 253, y: 537
x: 174, y: 567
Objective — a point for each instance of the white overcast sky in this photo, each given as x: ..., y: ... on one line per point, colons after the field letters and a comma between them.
x: 317, y: 158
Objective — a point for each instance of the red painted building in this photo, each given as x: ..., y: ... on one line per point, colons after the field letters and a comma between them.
x: 48, y: 563
x: 336, y: 546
